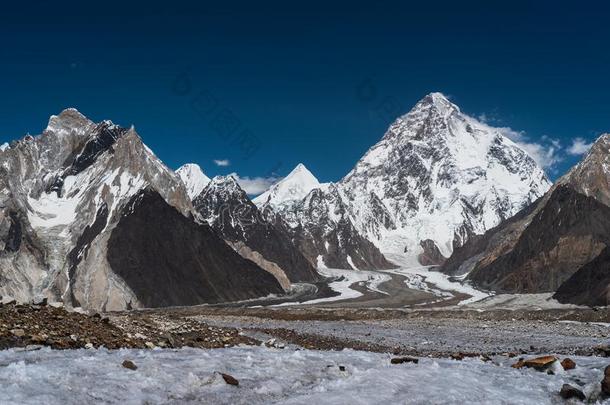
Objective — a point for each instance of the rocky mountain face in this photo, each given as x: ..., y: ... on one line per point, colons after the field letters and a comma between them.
x: 68, y: 194
x: 225, y: 206
x: 436, y: 178
x: 190, y: 267
x: 318, y: 222
x: 557, y: 244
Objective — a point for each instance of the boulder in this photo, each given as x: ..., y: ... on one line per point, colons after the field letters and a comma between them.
x: 538, y: 363
x: 606, y: 382
x: 568, y: 364
x: 130, y: 365
x: 569, y: 392
x: 401, y: 360
x: 229, y: 379
x: 18, y: 332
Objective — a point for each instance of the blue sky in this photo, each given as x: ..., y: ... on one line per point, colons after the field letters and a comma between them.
x: 262, y: 87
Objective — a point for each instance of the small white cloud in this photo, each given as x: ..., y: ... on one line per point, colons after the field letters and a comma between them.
x: 546, y: 152
x: 483, y: 118
x: 254, y: 185
x: 222, y: 162
x: 579, y: 146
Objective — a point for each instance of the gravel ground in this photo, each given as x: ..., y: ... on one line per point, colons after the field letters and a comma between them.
x: 432, y: 336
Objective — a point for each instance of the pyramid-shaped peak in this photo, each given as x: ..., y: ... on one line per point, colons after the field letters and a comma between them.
x: 303, y: 172
x: 437, y: 100
x: 225, y: 181
x: 299, y: 182
x: 193, y: 178
x: 68, y: 120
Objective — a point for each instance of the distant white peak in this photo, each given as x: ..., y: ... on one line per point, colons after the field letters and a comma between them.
x: 4, y: 146
x: 69, y: 120
x: 225, y: 182
x: 193, y: 178
x: 299, y: 182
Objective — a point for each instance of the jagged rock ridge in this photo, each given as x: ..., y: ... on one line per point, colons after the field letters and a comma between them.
x: 226, y: 207
x: 62, y: 195
x: 318, y: 222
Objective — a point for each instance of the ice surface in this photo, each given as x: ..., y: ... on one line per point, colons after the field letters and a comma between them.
x: 344, y: 279
x: 268, y: 376
x: 418, y: 277
x: 409, y: 269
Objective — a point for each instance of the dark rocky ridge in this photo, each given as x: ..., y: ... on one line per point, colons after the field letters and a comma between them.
x: 169, y: 260
x: 431, y: 256
x: 590, y: 284
x: 560, y: 243
x: 229, y: 210
x: 567, y: 230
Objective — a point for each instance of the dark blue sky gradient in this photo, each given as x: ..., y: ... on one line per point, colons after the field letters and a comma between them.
x: 288, y: 78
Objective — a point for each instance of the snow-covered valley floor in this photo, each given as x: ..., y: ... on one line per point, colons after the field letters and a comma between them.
x: 409, y: 285
x: 269, y: 375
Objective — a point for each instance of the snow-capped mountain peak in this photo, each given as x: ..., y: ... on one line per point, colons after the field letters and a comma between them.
x: 438, y: 174
x: 299, y: 182
x: 226, y: 184
x: 193, y: 178
x: 438, y: 101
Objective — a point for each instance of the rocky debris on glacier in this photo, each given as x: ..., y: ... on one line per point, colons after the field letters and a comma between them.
x: 568, y: 364
x: 539, y: 363
x: 30, y: 326
x: 307, y: 376
x: 402, y: 360
x: 229, y: 379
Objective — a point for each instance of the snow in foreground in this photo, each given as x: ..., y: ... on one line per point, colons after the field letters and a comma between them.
x: 273, y: 376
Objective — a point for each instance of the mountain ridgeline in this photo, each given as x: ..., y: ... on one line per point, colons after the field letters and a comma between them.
x: 91, y: 217
x: 436, y: 178
x: 558, y: 244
